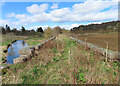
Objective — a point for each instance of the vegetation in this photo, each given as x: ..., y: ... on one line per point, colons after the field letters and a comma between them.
x: 22, y: 32
x: 40, y: 30
x: 63, y: 61
x: 58, y: 64
x: 8, y: 39
x: 48, y: 33
x: 33, y: 40
x: 93, y: 28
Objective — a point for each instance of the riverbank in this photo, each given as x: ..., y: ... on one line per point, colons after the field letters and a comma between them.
x: 8, y: 39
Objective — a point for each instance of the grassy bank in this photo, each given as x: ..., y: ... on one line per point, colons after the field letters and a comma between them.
x: 63, y: 61
x: 8, y: 39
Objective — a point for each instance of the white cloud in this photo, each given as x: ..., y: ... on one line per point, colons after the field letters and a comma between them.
x: 89, y: 11
x: 68, y: 27
x: 4, y: 22
x: 59, y: 15
x: 11, y: 15
x: 54, y: 6
x: 21, y: 16
x: 25, y: 19
x: 35, y: 27
x: 35, y: 8
x: 91, y: 6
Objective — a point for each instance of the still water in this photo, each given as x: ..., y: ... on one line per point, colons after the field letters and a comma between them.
x: 13, y: 51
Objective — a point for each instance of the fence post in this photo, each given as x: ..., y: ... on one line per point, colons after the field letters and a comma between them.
x: 85, y: 43
x: 69, y: 56
x: 106, y: 50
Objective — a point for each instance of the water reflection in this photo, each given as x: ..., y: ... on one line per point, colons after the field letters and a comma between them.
x: 13, y: 51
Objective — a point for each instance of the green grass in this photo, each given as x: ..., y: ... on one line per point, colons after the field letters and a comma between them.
x: 7, y: 39
x: 80, y: 77
x: 33, y: 40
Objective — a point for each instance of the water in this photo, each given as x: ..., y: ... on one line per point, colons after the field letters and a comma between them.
x: 13, y: 51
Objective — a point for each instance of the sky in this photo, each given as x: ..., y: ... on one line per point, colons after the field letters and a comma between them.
x: 64, y: 14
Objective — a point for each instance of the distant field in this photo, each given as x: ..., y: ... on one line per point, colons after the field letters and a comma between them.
x: 101, y: 38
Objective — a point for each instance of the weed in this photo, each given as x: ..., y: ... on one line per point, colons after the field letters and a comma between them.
x: 80, y: 70
x: 91, y: 60
x: 108, y: 70
x: 80, y: 76
x: 83, y: 52
x: 114, y: 73
x: 36, y: 71
x: 4, y: 71
x: 56, y: 59
x: 54, y: 50
x: 102, y: 82
x: 115, y: 65
x: 24, y: 79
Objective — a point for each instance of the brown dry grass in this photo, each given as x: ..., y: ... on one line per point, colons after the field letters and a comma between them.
x: 100, y: 39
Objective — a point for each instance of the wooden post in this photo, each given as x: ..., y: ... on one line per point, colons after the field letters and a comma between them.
x: 86, y: 43
x: 69, y: 56
x: 106, y: 50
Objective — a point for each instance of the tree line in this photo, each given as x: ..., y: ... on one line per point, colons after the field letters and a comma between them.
x: 103, y: 27
x: 22, y: 31
x: 48, y: 32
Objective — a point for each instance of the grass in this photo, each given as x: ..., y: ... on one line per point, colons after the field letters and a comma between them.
x: 31, y: 40
x: 34, y: 40
x: 63, y: 61
x: 7, y: 39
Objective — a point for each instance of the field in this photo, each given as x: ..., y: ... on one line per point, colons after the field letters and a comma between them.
x: 63, y: 61
x: 101, y: 39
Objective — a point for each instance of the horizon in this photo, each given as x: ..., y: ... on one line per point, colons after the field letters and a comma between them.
x: 63, y: 14
x: 62, y: 28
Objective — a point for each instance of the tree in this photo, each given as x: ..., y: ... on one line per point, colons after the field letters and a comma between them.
x: 118, y: 26
x: 23, y: 30
x: 32, y: 30
x: 48, y: 32
x: 2, y: 30
x: 14, y: 30
x: 109, y: 27
x: 40, y: 30
x: 57, y: 30
x: 7, y: 28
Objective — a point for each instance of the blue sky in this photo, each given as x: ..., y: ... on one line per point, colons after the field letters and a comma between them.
x: 64, y: 14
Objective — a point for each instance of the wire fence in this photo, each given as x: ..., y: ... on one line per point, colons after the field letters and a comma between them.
x: 112, y: 55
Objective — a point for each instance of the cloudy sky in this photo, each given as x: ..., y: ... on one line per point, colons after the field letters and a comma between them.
x: 63, y: 14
